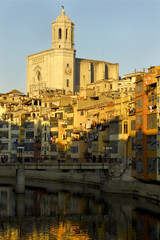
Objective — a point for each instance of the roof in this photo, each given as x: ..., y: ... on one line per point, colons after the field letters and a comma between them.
x: 63, y: 17
x: 14, y: 91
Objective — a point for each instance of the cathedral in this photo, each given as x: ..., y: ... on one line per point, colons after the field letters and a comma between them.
x: 59, y: 69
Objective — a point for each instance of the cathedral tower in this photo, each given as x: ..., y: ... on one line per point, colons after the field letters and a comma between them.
x: 54, y: 69
x: 63, y: 32
x: 63, y: 51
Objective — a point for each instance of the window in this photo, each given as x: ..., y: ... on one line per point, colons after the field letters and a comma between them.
x: 68, y: 133
x: 70, y: 121
x: 59, y: 115
x: 67, y: 65
x: 157, y: 99
x: 94, y: 136
x: 130, y: 89
x: 139, y: 167
x: 151, y: 121
x: 116, y: 128
x: 38, y: 75
x: 139, y: 135
x: 60, y: 33
x: 133, y: 126
x: 152, y: 142
x: 66, y: 33
x: 75, y: 159
x: 4, y: 146
x: 67, y: 83
x: 37, y: 148
x: 139, y: 150
x: 110, y: 86
x: 94, y: 147
x: 133, y: 143
x: 139, y: 87
x: 4, y: 135
x: 139, y: 120
x: 114, y: 146
x: 125, y: 129
x: 125, y: 89
x: 15, y: 135
x: 152, y: 101
x: 74, y: 149
x: 69, y: 109
x: 151, y: 165
x: 139, y: 103
x: 82, y: 113
x: 149, y: 101
x: 28, y: 125
x: 106, y: 71
x: 89, y: 144
x: 92, y: 73
x: 54, y: 124
x: 54, y: 134
x: 134, y: 163
x: 29, y: 135
x: 3, y: 124
x: 28, y: 147
x: 159, y: 165
x: 53, y: 147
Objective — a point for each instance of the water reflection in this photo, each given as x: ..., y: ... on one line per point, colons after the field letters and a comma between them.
x: 76, y: 212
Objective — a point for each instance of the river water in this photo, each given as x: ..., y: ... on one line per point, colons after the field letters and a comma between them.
x: 58, y: 211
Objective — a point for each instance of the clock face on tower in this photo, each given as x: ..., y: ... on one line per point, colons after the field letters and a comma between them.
x: 68, y: 70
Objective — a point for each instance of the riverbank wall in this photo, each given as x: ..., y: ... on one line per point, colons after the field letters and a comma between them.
x: 98, y: 179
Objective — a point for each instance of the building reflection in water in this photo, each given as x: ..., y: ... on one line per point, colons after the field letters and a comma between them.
x: 82, y: 213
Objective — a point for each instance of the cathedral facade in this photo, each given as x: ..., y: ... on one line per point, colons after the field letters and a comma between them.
x: 58, y: 67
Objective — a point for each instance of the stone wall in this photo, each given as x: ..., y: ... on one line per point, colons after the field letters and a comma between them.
x: 94, y: 178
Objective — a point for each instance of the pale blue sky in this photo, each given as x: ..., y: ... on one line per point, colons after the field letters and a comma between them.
x: 124, y: 32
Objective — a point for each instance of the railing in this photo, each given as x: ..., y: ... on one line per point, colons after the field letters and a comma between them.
x: 61, y: 166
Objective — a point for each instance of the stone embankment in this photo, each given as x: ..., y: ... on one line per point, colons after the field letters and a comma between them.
x: 122, y: 185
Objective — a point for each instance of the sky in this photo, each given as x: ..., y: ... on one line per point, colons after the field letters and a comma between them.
x: 116, y: 31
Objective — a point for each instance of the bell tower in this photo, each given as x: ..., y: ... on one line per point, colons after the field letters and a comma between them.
x: 63, y: 53
x: 63, y: 32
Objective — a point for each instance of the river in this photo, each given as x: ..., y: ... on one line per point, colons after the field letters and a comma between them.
x: 61, y: 211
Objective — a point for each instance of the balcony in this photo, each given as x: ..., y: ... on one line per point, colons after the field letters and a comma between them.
x: 28, y: 153
x: 4, y: 125
x: 87, y: 155
x: 76, y: 138
x: 94, y: 138
x: 132, y: 111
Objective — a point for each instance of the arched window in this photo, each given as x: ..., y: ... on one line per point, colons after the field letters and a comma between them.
x: 92, y: 73
x: 38, y: 75
x: 60, y: 33
x: 66, y: 33
x: 67, y: 83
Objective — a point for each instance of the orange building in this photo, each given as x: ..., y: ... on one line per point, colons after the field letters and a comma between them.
x: 146, y: 125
